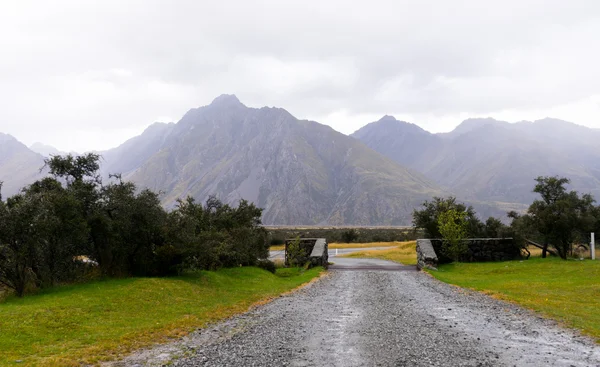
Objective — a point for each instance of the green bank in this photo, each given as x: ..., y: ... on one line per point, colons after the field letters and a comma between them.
x: 89, y: 323
x: 567, y: 291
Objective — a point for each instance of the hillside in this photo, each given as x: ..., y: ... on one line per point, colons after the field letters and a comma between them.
x: 19, y: 166
x: 134, y: 152
x: 300, y: 172
x: 493, y: 161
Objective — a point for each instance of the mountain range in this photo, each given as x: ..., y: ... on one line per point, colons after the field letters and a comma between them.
x: 490, y: 160
x: 303, y: 172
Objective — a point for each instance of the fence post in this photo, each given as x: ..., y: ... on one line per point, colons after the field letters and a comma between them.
x: 593, y: 247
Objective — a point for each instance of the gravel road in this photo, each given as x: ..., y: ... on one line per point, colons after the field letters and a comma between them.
x: 372, y: 317
x: 280, y: 254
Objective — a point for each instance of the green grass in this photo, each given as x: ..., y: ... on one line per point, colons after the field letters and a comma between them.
x: 102, y: 320
x: 404, y: 253
x: 567, y: 291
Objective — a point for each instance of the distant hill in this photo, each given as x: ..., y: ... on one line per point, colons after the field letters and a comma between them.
x: 45, y: 150
x: 19, y: 165
x: 134, y: 152
x: 493, y: 161
x: 300, y: 172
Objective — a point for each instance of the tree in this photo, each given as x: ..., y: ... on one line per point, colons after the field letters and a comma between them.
x: 452, y: 225
x: 427, y: 218
x: 20, y: 241
x: 560, y: 215
x: 75, y: 168
x: 494, y: 228
x: 63, y: 229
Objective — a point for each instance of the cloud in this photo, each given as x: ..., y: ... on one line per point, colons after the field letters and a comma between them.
x: 71, y: 68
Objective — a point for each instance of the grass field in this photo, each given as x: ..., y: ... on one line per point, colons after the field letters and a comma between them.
x: 402, y: 252
x: 333, y: 246
x: 567, y: 291
x: 88, y: 323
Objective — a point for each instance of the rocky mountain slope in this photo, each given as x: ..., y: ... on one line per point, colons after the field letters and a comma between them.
x: 490, y: 160
x: 300, y: 172
x: 19, y: 166
x: 134, y: 152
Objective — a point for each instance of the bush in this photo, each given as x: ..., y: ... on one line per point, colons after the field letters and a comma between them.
x: 276, y: 241
x: 267, y: 265
x: 350, y: 235
x: 295, y: 253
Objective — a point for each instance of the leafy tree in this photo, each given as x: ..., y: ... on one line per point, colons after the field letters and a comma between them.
x: 75, y: 168
x: 20, y: 241
x: 427, y: 218
x: 560, y: 215
x: 494, y: 228
x: 63, y: 229
x: 452, y: 225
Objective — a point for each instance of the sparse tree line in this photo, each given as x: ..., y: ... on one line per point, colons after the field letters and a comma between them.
x: 69, y: 224
x: 555, y: 222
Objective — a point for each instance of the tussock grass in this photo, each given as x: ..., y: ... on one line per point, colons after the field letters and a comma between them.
x: 93, y: 322
x: 567, y: 291
x: 334, y: 245
x: 402, y: 252
x: 586, y: 254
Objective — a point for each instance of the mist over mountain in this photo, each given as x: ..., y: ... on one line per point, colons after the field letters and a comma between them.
x: 490, y: 160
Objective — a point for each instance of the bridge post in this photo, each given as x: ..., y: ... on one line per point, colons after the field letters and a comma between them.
x: 593, y: 247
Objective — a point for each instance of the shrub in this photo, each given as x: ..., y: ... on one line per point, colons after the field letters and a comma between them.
x: 350, y: 235
x: 276, y: 241
x: 295, y: 253
x: 267, y: 265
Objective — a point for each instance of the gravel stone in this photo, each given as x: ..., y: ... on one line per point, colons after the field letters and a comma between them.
x: 379, y: 318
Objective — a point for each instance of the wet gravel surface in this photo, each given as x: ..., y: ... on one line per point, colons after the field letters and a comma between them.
x: 380, y: 318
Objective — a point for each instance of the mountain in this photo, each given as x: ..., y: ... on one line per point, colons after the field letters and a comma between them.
x: 401, y: 141
x: 19, y: 165
x: 494, y: 161
x: 135, y: 151
x: 300, y: 172
x: 45, y: 150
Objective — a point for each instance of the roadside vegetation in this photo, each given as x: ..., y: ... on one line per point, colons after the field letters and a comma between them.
x: 101, y: 320
x: 72, y: 227
x: 553, y: 278
x: 401, y: 252
x: 559, y: 222
x: 567, y: 291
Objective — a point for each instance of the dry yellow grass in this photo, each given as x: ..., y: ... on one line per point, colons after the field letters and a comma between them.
x: 335, y: 245
x: 537, y: 252
x: 402, y: 252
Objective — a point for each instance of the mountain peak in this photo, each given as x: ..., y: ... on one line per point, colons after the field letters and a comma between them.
x: 4, y: 138
x: 388, y: 118
x: 226, y: 100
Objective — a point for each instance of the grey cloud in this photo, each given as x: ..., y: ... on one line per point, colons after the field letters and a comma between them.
x: 89, y: 65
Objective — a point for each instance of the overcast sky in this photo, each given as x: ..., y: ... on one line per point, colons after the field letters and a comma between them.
x: 82, y: 75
